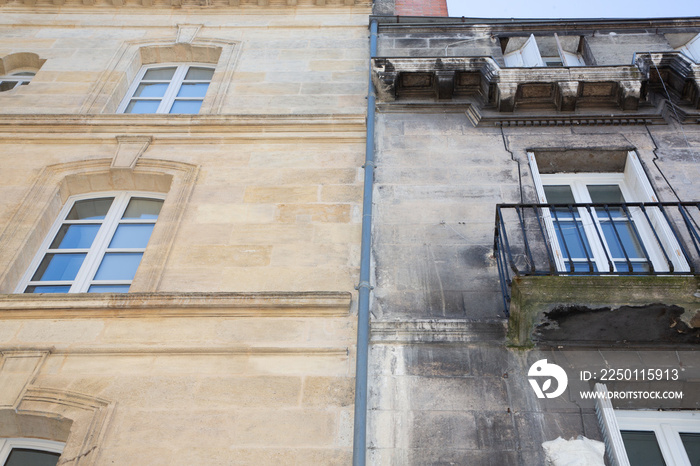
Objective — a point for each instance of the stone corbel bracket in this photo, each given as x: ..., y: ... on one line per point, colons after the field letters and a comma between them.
x: 506, y: 89
x: 672, y: 71
x: 440, y: 77
x: 187, y: 32
x: 129, y: 149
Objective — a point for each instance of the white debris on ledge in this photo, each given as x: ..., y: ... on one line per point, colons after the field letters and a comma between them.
x: 575, y: 452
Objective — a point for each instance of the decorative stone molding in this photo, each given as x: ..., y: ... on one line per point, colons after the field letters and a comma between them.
x: 18, y: 369
x: 175, y: 129
x: 61, y: 415
x: 89, y: 415
x: 191, y: 4
x: 129, y: 149
x: 32, y: 219
x: 187, y: 32
x: 173, y: 304
x: 674, y: 72
x: 437, y: 331
x: 507, y: 89
x: 111, y: 86
x: 20, y: 61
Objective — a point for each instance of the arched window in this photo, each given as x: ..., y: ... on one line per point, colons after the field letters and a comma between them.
x: 29, y: 451
x: 173, y: 88
x: 96, y: 244
x: 16, y: 79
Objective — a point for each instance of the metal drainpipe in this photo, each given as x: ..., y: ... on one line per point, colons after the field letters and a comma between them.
x: 359, y: 449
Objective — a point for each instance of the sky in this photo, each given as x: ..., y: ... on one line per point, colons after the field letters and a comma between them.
x: 573, y: 8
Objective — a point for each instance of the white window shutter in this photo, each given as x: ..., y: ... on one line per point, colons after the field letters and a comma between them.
x: 531, y: 53
x: 514, y: 59
x: 614, y: 446
x: 573, y: 59
x: 692, y: 49
x: 636, y: 179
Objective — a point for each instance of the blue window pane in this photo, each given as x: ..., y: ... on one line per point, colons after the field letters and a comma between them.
x: 570, y: 236
x: 131, y: 236
x: 48, y: 289
x: 75, y: 236
x: 151, y: 90
x: 142, y: 106
x: 630, y: 243
x: 582, y: 266
x: 159, y: 74
x: 59, y: 267
x: 90, y: 209
x: 109, y: 289
x: 144, y: 209
x: 118, y: 266
x: 193, y: 90
x: 624, y: 266
x: 186, y: 106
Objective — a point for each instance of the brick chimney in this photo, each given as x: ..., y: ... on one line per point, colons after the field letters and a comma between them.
x: 421, y: 7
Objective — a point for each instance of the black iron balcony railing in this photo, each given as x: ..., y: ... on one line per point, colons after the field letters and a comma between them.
x: 634, y: 238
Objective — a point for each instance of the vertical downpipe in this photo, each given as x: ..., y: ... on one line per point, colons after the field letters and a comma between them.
x: 359, y: 451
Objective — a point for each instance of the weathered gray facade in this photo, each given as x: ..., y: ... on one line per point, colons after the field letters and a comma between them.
x: 455, y: 130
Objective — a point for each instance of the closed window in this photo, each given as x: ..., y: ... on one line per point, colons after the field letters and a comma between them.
x: 29, y: 452
x: 95, y: 246
x: 594, y: 230
x: 13, y: 80
x: 168, y: 89
x: 660, y: 438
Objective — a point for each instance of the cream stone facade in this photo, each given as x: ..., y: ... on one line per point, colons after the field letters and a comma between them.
x: 236, y: 341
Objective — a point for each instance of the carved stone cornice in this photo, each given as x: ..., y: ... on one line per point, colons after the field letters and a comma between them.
x: 671, y: 72
x: 175, y: 304
x: 92, y: 5
x: 508, y: 89
x: 176, y: 128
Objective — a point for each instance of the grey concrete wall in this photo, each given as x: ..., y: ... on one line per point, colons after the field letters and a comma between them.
x: 445, y: 394
x: 437, y: 183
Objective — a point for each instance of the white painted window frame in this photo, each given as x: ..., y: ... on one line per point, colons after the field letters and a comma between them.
x: 96, y: 252
x: 691, y: 49
x: 666, y: 425
x: 17, y: 78
x: 7, y: 444
x: 527, y: 56
x: 610, y: 428
x: 168, y: 98
x: 635, y: 187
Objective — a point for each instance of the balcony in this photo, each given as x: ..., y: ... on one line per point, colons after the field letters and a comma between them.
x: 560, y: 265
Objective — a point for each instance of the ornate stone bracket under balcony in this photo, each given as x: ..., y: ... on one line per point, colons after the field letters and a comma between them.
x: 508, y: 89
x: 672, y: 72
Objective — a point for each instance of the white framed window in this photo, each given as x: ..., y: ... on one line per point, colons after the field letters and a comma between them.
x: 526, y: 56
x: 29, y: 451
x: 529, y: 56
x: 96, y: 244
x: 692, y: 49
x: 616, y: 239
x: 168, y: 88
x: 670, y: 438
x: 16, y: 79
